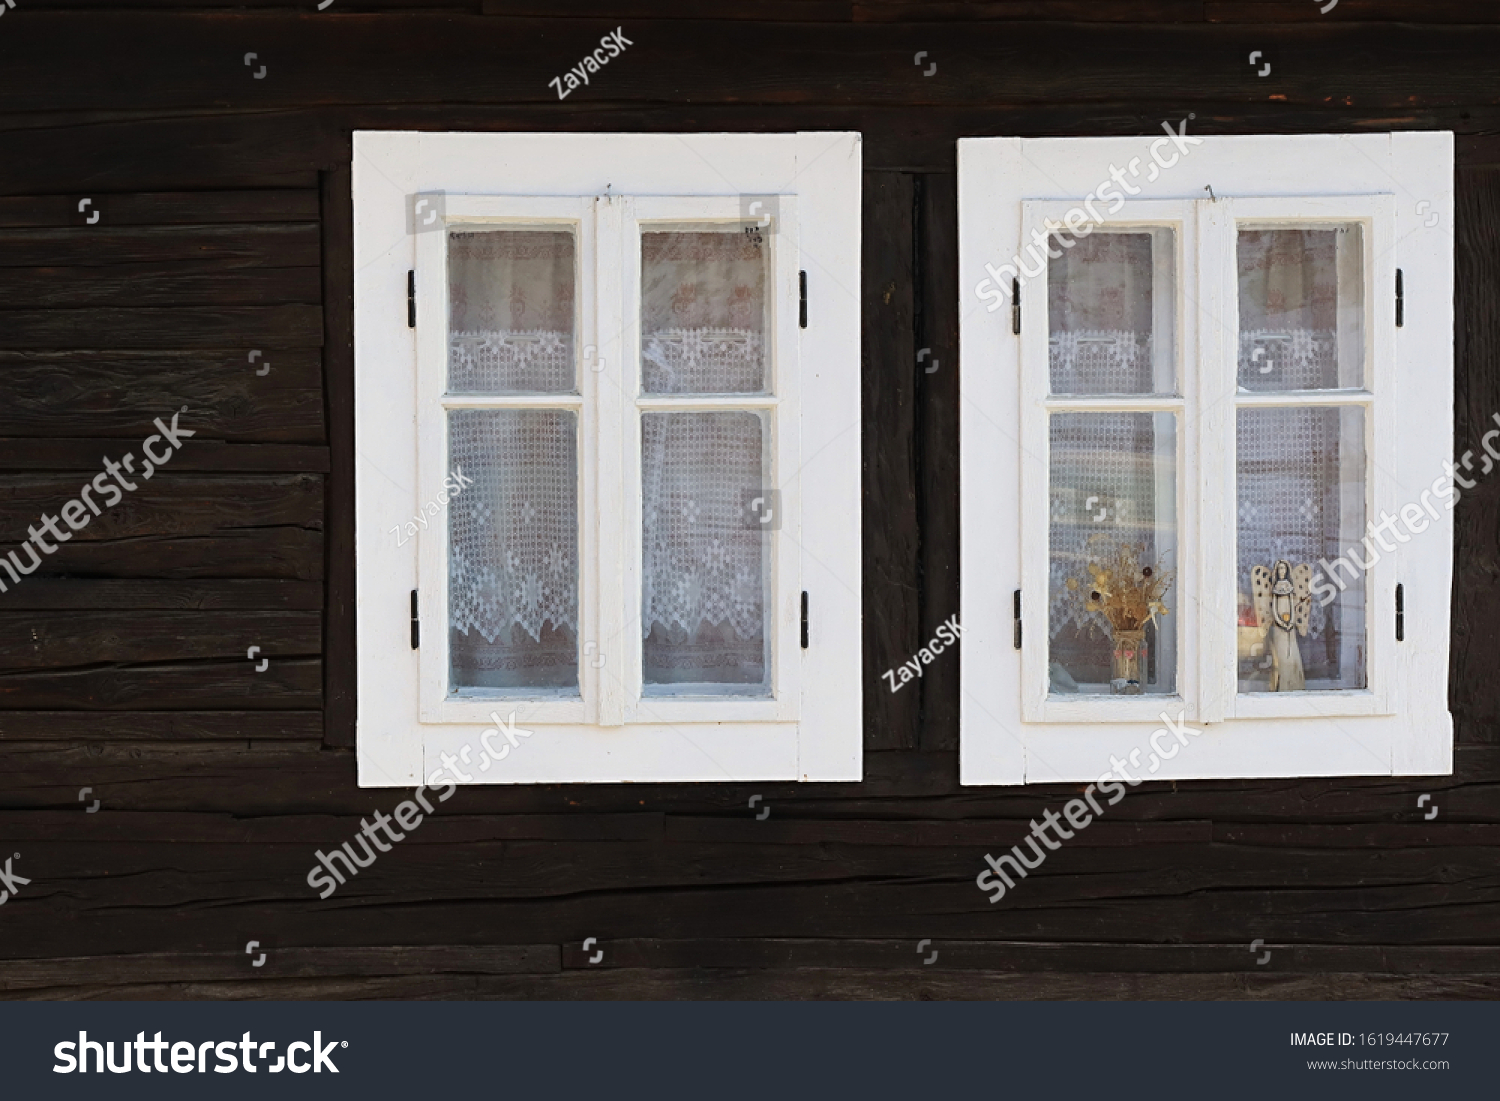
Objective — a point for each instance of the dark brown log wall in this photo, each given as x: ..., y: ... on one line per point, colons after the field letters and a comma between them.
x: 225, y: 229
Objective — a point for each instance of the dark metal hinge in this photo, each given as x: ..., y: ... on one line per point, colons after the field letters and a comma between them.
x: 1016, y: 615
x: 411, y: 298
x: 416, y: 624
x: 804, y: 619
x: 1015, y: 306
x: 1400, y: 299
x: 802, y: 307
x: 1400, y: 614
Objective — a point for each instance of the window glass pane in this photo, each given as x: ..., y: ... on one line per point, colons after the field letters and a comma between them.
x: 705, y: 578
x: 1301, y: 308
x: 1110, y: 307
x: 510, y: 311
x: 703, y: 311
x: 1301, y: 557
x: 1112, y: 620
x: 513, y: 552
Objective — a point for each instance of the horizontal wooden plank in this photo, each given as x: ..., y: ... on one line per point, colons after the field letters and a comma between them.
x: 175, y: 525
x: 1344, y: 11
x: 282, y: 963
x: 205, y: 283
x: 266, y: 246
x: 1069, y: 11
x: 48, y: 593
x: 292, y: 326
x: 120, y: 393
x: 224, y: 149
x: 160, y: 208
x: 999, y: 832
x: 112, y: 895
x: 167, y: 504
x: 34, y: 640
x: 820, y: 983
x: 287, y: 684
x: 205, y: 455
x: 775, y: 11
x: 174, y: 726
x: 366, y: 58
x: 184, y: 827
x: 1020, y: 956
x: 231, y: 145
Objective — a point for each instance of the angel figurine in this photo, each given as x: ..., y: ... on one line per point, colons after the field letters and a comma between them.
x: 1283, y: 606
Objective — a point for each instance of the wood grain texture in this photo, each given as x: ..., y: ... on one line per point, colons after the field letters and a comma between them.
x: 118, y: 394
x: 330, y: 60
x: 340, y: 667
x: 225, y: 228
x: 892, y: 607
x: 1476, y: 528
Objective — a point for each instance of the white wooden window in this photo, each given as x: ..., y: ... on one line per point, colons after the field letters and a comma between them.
x: 637, y: 358
x: 1230, y: 364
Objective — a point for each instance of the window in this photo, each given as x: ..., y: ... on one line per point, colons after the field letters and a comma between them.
x: 607, y: 429
x: 1208, y: 405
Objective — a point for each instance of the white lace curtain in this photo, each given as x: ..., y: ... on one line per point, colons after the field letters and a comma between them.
x: 513, y: 571
x: 704, y: 577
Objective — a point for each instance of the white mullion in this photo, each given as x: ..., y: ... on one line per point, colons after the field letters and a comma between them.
x: 688, y: 403
x: 612, y: 437
x: 574, y: 402
x: 1381, y: 438
x: 1125, y: 403
x: 431, y: 339
x: 1302, y: 399
x: 1217, y: 612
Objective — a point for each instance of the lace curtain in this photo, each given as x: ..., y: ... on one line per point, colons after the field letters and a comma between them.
x: 513, y: 569
x: 513, y: 534
x: 513, y: 548
x: 705, y: 570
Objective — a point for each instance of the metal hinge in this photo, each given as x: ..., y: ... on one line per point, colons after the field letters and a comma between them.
x: 804, y: 619
x: 1016, y: 615
x: 416, y: 626
x: 411, y: 298
x: 1400, y: 299
x: 1400, y: 614
x: 802, y: 308
x: 1015, y: 306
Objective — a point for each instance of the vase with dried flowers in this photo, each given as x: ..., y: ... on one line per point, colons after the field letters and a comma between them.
x: 1126, y: 588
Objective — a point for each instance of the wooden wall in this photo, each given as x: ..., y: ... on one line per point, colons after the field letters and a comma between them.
x: 225, y: 229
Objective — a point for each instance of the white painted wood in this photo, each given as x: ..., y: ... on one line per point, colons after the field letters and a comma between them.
x: 1038, y: 404
x: 603, y: 185
x: 1395, y: 184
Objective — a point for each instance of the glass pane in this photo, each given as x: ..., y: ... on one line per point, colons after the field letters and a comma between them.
x: 510, y: 311
x: 703, y: 311
x: 1110, y: 313
x: 1112, y: 620
x: 513, y: 552
x: 1301, y: 308
x: 706, y: 576
x: 1301, y: 559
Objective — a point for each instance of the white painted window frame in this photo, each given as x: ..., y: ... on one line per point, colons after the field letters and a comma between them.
x: 607, y: 188
x: 1394, y: 185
